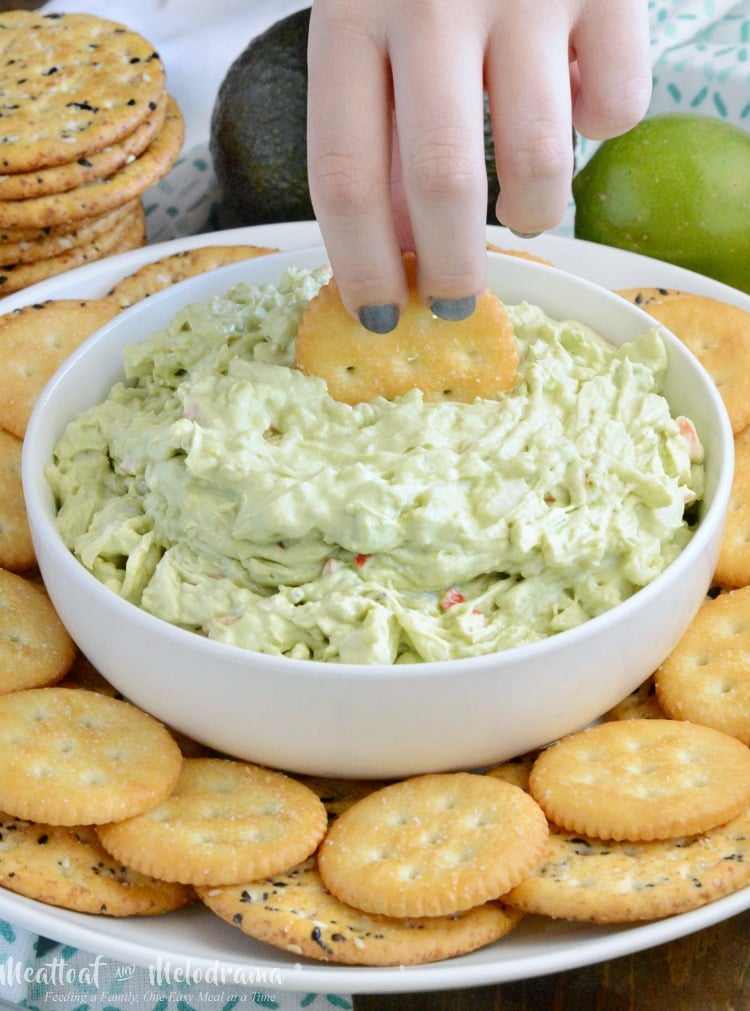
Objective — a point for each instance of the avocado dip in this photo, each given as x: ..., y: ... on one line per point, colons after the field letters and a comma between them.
x: 220, y: 489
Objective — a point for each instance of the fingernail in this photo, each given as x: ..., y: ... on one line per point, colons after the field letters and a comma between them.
x: 379, y: 318
x: 525, y: 235
x: 454, y: 309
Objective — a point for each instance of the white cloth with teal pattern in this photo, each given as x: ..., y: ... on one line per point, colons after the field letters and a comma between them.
x: 701, y: 59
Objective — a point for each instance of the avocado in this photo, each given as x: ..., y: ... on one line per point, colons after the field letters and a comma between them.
x: 259, y: 131
x: 258, y: 137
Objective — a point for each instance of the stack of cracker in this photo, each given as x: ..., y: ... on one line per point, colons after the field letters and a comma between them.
x: 86, y: 127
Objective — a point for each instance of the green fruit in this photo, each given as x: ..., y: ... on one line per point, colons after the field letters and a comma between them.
x: 677, y: 188
x: 259, y: 131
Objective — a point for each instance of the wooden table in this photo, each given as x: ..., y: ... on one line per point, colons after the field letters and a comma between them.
x: 707, y: 971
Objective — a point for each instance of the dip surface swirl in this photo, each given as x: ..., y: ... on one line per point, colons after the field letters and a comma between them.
x: 222, y: 490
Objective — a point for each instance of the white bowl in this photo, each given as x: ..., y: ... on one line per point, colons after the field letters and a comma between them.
x: 376, y: 721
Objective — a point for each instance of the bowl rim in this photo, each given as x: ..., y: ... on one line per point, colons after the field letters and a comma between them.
x: 43, y: 526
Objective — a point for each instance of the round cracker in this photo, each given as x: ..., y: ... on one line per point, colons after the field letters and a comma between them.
x: 71, y: 84
x: 99, y: 165
x: 718, y: 334
x: 476, y: 357
x: 83, y: 674
x: 733, y: 563
x: 163, y: 273
x: 432, y: 845
x: 22, y: 275
x: 520, y: 253
x: 642, y: 780
x: 226, y: 821
x: 337, y: 795
x: 34, y: 342
x: 46, y: 246
x: 100, y: 196
x: 706, y: 677
x: 645, y: 297
x: 69, y: 868
x: 515, y: 770
x: 601, y: 881
x: 16, y: 547
x: 641, y: 704
x: 35, y: 648
x: 75, y: 757
x: 295, y: 912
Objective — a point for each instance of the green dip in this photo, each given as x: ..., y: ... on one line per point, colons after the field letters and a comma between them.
x: 222, y: 490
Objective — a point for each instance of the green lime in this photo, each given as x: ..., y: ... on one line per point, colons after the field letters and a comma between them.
x: 677, y: 188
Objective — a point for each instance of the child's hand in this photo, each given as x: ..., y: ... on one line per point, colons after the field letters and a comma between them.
x: 395, y: 129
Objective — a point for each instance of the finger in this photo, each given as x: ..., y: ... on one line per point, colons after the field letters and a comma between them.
x: 611, y: 47
x: 528, y: 83
x: 439, y: 119
x: 349, y: 155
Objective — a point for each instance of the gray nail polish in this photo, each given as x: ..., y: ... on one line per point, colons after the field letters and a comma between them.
x: 379, y: 318
x: 453, y: 309
x: 525, y: 235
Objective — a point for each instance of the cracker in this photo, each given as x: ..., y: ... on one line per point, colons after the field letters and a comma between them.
x: 476, y: 357
x: 163, y: 273
x: 295, y: 912
x: 71, y: 85
x: 45, y: 246
x: 432, y: 845
x: 34, y: 341
x: 645, y: 297
x: 515, y: 771
x: 75, y: 757
x: 226, y: 821
x: 35, y: 648
x: 111, y: 241
x: 14, y: 235
x: 520, y: 253
x: 99, y: 165
x: 100, y: 196
x: 642, y: 780
x: 84, y: 675
x: 706, y: 677
x: 641, y: 704
x: 718, y: 334
x: 601, y: 881
x: 68, y: 868
x: 16, y: 548
x: 337, y: 795
x: 733, y: 563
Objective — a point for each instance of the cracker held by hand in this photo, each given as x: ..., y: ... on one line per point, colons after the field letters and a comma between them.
x: 432, y: 845
x: 476, y: 357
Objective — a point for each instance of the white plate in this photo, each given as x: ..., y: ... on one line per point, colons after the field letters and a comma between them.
x: 195, y: 941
